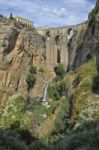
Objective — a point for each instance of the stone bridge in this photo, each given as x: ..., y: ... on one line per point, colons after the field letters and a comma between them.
x: 57, y: 42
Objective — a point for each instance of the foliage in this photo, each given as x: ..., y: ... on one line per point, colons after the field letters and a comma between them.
x: 57, y: 78
x: 15, y: 111
x: 52, y: 108
x: 57, y: 90
x: 17, y: 139
x: 79, y: 46
x: 93, y: 14
x: 33, y: 70
x: 83, y: 93
x: 84, y: 138
x: 60, y: 122
x: 53, y: 92
x: 60, y: 71
x: 12, y: 111
x: 41, y: 69
x: 57, y: 110
x: 97, y: 6
x: 31, y: 79
x: 89, y: 69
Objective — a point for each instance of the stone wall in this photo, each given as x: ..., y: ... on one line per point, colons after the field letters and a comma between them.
x: 24, y: 21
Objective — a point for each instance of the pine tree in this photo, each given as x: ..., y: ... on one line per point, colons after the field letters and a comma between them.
x: 11, y: 16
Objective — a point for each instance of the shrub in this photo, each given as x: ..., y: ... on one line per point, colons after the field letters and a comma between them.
x: 60, y: 70
x: 30, y: 80
x: 61, y: 88
x: 53, y: 92
x: 79, y: 45
x: 85, y: 138
x: 41, y: 69
x: 33, y: 70
x: 57, y: 91
x: 57, y: 78
x: 52, y: 107
x: 19, y: 140
x: 12, y: 112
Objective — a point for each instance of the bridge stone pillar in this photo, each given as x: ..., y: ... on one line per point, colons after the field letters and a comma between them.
x: 48, y: 53
x: 64, y: 52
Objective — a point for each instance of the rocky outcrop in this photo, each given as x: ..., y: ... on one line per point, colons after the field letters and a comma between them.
x: 83, y: 47
x: 19, y: 49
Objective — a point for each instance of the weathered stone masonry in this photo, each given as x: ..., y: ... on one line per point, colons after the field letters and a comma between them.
x: 24, y: 21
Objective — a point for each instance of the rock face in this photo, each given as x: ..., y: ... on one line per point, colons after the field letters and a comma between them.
x: 22, y: 47
x: 19, y: 49
x: 88, y: 44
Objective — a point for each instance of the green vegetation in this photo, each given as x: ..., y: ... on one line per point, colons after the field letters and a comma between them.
x: 60, y: 123
x: 83, y: 138
x: 17, y: 139
x: 31, y: 79
x: 97, y: 6
x: 17, y: 110
x: 83, y: 95
x: 79, y: 46
x: 60, y: 71
x: 92, y: 17
x: 33, y: 70
x: 57, y: 90
x: 12, y: 112
x: 41, y: 69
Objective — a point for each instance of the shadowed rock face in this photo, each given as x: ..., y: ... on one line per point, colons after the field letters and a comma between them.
x: 90, y: 44
x: 19, y: 49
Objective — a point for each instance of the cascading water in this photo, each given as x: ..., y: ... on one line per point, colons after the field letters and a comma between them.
x: 45, y: 96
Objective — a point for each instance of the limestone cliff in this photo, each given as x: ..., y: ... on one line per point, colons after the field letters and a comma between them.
x: 20, y: 48
x: 73, y: 95
x: 87, y: 42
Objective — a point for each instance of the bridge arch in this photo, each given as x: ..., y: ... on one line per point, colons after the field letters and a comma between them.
x: 57, y: 42
x: 57, y: 39
x: 70, y: 31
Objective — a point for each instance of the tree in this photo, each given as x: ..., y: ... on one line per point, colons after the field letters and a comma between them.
x: 60, y: 70
x: 11, y: 16
x: 30, y: 80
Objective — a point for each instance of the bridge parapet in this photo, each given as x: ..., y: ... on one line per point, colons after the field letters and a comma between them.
x: 24, y: 21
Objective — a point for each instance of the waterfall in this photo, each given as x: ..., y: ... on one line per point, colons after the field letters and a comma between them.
x: 45, y: 96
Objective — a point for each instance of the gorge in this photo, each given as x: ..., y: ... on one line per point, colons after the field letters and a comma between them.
x: 49, y: 85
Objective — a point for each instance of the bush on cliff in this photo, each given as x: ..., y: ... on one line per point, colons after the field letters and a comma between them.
x: 57, y: 90
x: 60, y: 71
x: 85, y: 137
x: 31, y: 79
x: 17, y: 139
x: 33, y: 70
